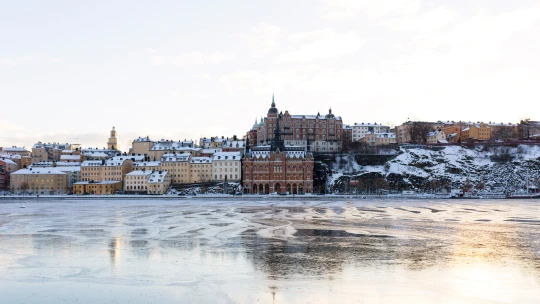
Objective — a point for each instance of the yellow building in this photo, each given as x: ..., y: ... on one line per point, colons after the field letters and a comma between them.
x: 39, y: 181
x: 200, y: 169
x: 178, y: 167
x: 163, y: 147
x: 159, y: 182
x: 137, y: 181
x: 479, y: 131
x: 113, y: 169
x: 97, y: 187
x: 436, y: 137
x: 378, y: 139
x: 141, y: 145
x: 147, y: 166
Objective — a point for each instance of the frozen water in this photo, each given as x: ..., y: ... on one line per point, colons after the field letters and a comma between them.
x: 202, y: 251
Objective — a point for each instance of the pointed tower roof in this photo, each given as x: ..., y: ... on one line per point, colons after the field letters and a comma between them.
x: 273, y: 109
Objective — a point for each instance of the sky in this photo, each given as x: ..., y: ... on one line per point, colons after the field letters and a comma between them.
x: 70, y: 70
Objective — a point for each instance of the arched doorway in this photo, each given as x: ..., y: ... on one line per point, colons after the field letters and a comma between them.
x: 289, y: 189
x: 300, y: 189
x: 294, y: 189
x: 254, y: 190
x: 277, y: 188
x: 266, y: 189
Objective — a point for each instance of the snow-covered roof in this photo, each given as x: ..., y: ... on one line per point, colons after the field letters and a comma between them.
x: 157, y: 177
x: 45, y: 170
x: 321, y: 117
x: 97, y: 182
x: 200, y: 160
x: 115, y: 161
x: 8, y: 161
x: 172, y: 146
x: 15, y: 149
x: 175, y: 157
x: 69, y: 164
x: 502, y: 124
x: 50, y: 145
x: 139, y: 173
x: 211, y: 151
x: 357, y: 125
x: 95, y: 154
x: 266, y: 153
x: 235, y: 144
x: 142, y: 139
x: 385, y: 135
x: 10, y: 156
x: 61, y: 169
x: 442, y: 141
x: 70, y: 157
x: 147, y: 164
x: 226, y: 156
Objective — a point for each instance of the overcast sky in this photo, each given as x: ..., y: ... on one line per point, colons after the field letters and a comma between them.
x: 186, y: 69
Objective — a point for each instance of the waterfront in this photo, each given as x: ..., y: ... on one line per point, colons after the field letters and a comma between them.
x: 232, y: 251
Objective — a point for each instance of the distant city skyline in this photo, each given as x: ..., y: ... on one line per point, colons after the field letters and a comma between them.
x: 184, y: 70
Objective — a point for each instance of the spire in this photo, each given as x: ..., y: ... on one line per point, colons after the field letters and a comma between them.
x: 273, y: 103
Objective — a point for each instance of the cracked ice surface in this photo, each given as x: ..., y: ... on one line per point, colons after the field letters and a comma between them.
x: 202, y: 251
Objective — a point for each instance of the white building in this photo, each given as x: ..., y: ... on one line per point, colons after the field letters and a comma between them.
x: 436, y: 137
x: 359, y: 130
x: 227, y: 165
x: 137, y: 181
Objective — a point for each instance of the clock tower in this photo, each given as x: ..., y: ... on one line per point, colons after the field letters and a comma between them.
x: 112, y: 144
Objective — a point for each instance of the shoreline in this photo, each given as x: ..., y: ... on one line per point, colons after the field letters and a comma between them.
x: 244, y: 197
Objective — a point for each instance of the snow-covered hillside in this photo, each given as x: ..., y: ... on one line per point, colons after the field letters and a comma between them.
x: 497, y: 168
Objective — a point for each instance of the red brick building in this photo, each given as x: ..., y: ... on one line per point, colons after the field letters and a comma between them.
x: 276, y: 168
x: 265, y: 172
x: 317, y: 133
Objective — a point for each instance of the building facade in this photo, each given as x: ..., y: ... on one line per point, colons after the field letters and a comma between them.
x: 159, y: 182
x: 226, y: 166
x: 361, y: 129
x: 113, y: 169
x: 277, y: 169
x: 378, y: 139
x: 97, y: 187
x: 137, y: 181
x: 200, y: 169
x: 45, y: 181
x: 317, y: 133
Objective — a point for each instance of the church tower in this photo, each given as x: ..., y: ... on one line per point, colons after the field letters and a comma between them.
x: 112, y: 144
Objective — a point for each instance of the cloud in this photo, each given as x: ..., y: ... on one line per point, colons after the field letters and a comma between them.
x: 320, y: 44
x: 264, y: 39
x: 348, y: 9
x: 14, y: 61
x: 192, y: 58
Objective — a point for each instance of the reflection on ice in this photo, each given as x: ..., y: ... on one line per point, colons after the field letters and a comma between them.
x: 271, y: 252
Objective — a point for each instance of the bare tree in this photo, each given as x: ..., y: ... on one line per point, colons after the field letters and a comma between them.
x: 24, y: 186
x: 504, y: 133
x: 380, y: 183
x: 435, y: 185
x: 480, y: 186
x: 467, y: 186
x: 418, y: 130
